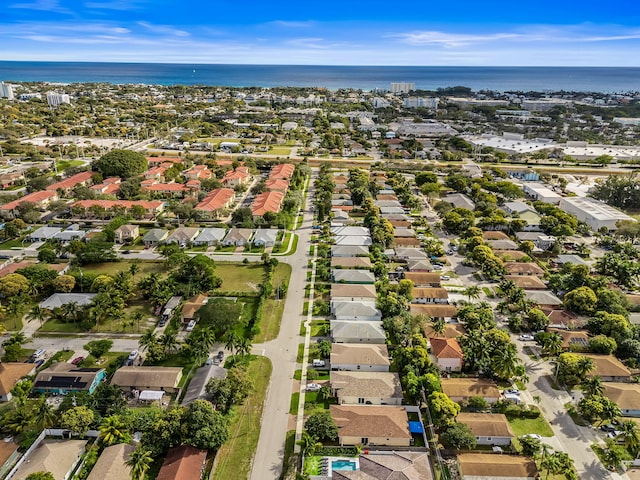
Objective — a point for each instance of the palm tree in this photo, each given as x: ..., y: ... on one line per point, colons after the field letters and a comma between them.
x: 308, y: 444
x: 610, y: 411
x: 136, y: 318
x: 439, y: 326
x: 16, y: 337
x: 504, y: 363
x: 133, y: 269
x: 38, y: 313
x: 18, y: 420
x: 114, y: 430
x: 232, y: 342
x: 472, y: 292
x: 631, y: 434
x: 139, y: 462
x: 243, y: 347
x: 552, y: 463
x: 585, y: 365
x: 592, y: 386
x: 149, y: 338
x: 45, y: 415
x: 552, y: 344
x: 168, y: 341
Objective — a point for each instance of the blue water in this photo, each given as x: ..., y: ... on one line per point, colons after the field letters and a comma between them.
x: 343, y: 465
x: 584, y: 79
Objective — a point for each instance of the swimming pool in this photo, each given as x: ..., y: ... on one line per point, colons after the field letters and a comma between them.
x: 343, y: 465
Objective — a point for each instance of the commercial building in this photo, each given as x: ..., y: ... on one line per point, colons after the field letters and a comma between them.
x: 6, y: 91
x: 402, y: 87
x: 421, y: 102
x: 55, y: 99
x: 538, y: 191
x: 595, y: 214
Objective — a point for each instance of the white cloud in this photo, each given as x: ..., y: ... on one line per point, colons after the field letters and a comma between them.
x: 450, y: 39
x: 293, y: 24
x: 164, y: 29
x: 113, y: 5
x: 42, y: 5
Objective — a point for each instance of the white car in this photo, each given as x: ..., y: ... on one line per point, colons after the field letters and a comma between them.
x: 526, y: 338
x: 313, y: 387
x: 533, y: 435
x: 445, y: 277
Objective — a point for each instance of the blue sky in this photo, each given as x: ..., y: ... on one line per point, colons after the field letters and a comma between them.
x: 329, y: 32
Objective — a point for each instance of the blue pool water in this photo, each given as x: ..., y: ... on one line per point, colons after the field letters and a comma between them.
x: 343, y: 465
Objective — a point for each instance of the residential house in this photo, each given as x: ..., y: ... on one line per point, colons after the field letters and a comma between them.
x: 10, y: 374
x: 166, y: 189
x: 352, y: 293
x: 210, y: 236
x: 10, y: 179
x: 60, y: 299
x: 608, y: 368
x: 62, y: 378
x: 126, y: 233
x: 339, y: 218
x: 354, y: 331
x: 109, y: 186
x: 561, y: 260
x: 283, y: 171
x: 351, y: 262
x: 191, y: 306
x: 155, y: 173
x: 40, y: 199
x: 356, y: 357
x: 451, y: 330
x: 359, y: 311
x: 488, y: 428
x: 387, y: 466
x: 542, y: 298
x: 59, y: 457
x: 387, y: 203
x: 267, y: 202
x: 217, y: 200
x: 350, y: 231
x: 487, y: 466
x: 510, y: 255
x: 406, y: 254
x: 155, y: 236
x: 370, y: 388
x: 183, y: 236
x: 353, y: 276
x: 147, y: 378
x: 349, y: 251
x: 278, y: 185
x: 417, y: 265
x: 72, y: 232
x: 430, y: 295
x: 409, y: 242
x: 446, y: 354
x: 495, y: 235
x: 527, y: 282
x: 421, y: 279
x: 65, y: 186
x: 626, y: 396
x: 151, y: 208
x: 562, y: 319
x: 183, y: 463
x: 112, y: 463
x: 238, y: 237
x: 43, y: 234
x: 198, y: 172
x: 572, y: 339
x: 540, y: 240
x: 462, y: 389
x: 460, y: 200
x: 523, y: 268
x: 352, y: 240
x: 502, y: 244
x: 233, y: 178
x: 371, y: 425
x: 264, y: 237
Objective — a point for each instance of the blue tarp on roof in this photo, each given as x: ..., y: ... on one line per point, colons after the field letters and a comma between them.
x: 416, y: 427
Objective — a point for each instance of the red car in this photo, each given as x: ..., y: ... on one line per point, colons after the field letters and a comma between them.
x: 77, y: 360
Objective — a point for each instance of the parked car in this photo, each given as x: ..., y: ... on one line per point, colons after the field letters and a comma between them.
x: 533, y: 435
x: 190, y: 326
x: 608, y: 428
x: 39, y: 363
x: 318, y: 363
x: 77, y: 360
x: 512, y: 391
x: 126, y: 252
x: 449, y: 252
x: 445, y: 277
x: 437, y: 267
x: 313, y: 387
x: 526, y: 338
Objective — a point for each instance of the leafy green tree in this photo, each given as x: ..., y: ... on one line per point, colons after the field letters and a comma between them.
x: 231, y: 390
x: 98, y: 348
x: 443, y: 409
x: 63, y: 283
x: 45, y: 415
x: 121, y: 163
x: 582, y: 300
x: 459, y: 437
x: 531, y: 447
x: 47, y: 255
x: 573, y: 368
x: 602, y: 344
x: 40, y: 476
x: 114, y: 429
x: 13, y: 284
x: 592, y: 386
x: 206, y: 428
x: 320, y: 426
x: 77, y: 419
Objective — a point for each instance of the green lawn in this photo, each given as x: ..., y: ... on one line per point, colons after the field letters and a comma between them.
x: 288, y: 462
x: 523, y: 426
x: 111, y: 268
x: 60, y: 327
x: 281, y: 274
x: 271, y: 318
x: 64, y: 164
x: 106, y: 359
x: 235, y: 456
x: 9, y: 244
x: 280, y: 151
x: 238, y: 277
x: 295, y: 401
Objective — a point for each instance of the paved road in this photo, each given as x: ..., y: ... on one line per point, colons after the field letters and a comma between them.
x: 282, y: 352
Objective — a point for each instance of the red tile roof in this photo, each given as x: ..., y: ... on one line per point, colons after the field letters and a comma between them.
x: 284, y: 170
x: 160, y: 160
x: 71, y: 182
x: 107, y: 204
x: 183, y: 463
x: 216, y: 199
x: 277, y: 184
x: 35, y: 197
x: 165, y: 187
x: 446, y: 348
x: 235, y: 175
x: 267, y: 202
x: 198, y: 171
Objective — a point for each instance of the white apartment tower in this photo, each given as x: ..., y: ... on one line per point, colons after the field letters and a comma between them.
x: 54, y: 99
x: 6, y: 91
x: 402, y: 87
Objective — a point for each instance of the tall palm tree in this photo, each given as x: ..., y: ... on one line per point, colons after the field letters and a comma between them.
x: 504, y: 363
x: 472, y: 292
x: 439, y: 326
x: 139, y: 462
x: 114, y: 430
x: 610, y: 411
x: 243, y: 347
x: 232, y: 342
x: 169, y: 342
x: 592, y: 386
x: 552, y: 344
x: 136, y: 318
x: 585, y: 365
x: 308, y: 444
x: 38, y: 313
x: 45, y: 415
x: 631, y: 435
x: 149, y: 338
x: 19, y: 419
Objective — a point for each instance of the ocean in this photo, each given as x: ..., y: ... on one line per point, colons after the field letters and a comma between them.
x: 579, y: 79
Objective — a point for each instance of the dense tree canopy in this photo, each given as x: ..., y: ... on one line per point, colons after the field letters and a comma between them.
x: 121, y: 163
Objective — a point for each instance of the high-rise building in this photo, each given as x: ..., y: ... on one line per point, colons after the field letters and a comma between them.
x: 6, y: 91
x: 402, y: 87
x: 54, y: 99
x: 426, y: 102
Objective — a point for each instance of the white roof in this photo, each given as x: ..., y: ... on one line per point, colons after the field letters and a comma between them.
x: 59, y: 299
x: 265, y: 235
x: 45, y: 232
x: 595, y: 209
x: 350, y: 231
x: 211, y: 234
x: 348, y: 275
x: 151, y: 395
x: 352, y: 240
